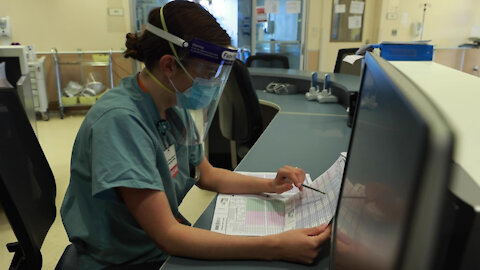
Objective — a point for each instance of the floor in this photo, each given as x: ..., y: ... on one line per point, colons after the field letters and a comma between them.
x: 56, y: 137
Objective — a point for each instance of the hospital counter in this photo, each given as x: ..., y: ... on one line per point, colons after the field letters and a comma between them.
x: 301, y: 78
x: 303, y: 133
x: 341, y: 84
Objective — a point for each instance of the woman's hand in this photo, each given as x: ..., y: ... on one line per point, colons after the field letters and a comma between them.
x: 302, y: 245
x: 286, y: 178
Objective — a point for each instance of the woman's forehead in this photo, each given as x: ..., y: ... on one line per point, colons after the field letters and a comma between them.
x: 203, y: 63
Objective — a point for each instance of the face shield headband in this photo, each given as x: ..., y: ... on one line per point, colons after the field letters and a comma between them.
x: 209, y: 66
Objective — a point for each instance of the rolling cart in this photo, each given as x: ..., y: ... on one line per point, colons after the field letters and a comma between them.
x: 81, y: 63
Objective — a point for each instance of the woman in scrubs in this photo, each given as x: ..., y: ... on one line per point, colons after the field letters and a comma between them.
x: 134, y: 152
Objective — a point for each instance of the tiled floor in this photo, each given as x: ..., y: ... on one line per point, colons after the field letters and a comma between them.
x: 56, y: 138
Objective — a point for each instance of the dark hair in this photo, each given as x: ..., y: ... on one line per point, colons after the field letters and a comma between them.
x: 186, y: 20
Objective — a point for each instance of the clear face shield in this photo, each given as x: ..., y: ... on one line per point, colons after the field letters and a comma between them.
x: 208, y: 67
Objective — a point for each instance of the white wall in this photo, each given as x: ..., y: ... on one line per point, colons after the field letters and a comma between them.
x: 73, y: 24
x: 448, y: 24
x: 67, y: 24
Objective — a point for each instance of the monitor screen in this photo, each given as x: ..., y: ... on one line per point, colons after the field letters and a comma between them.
x: 24, y: 171
x: 398, y: 141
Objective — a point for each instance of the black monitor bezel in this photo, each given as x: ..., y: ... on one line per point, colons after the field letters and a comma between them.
x: 440, y: 143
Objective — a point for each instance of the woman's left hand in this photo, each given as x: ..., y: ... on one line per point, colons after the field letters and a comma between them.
x: 287, y: 177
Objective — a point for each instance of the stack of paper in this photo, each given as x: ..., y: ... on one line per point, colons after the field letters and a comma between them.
x: 273, y: 213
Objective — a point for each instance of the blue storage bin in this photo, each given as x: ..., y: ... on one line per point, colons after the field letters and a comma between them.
x: 405, y: 51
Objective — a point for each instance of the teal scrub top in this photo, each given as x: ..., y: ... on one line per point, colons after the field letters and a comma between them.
x: 120, y: 144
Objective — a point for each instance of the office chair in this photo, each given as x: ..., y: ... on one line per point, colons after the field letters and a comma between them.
x: 239, y: 115
x: 27, y: 186
x: 344, y: 67
x: 268, y: 60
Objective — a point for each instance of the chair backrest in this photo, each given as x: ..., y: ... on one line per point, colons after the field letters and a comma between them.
x: 27, y: 185
x: 268, y: 60
x: 239, y: 112
x: 344, y: 67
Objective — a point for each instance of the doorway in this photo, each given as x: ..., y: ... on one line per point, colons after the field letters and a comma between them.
x: 278, y: 27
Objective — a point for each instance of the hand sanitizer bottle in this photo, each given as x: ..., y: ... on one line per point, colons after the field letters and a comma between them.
x: 326, y: 95
x: 313, y: 91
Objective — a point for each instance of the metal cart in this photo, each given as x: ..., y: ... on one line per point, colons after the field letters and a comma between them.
x: 81, y: 63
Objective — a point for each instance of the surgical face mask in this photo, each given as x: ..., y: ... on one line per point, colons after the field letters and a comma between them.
x: 199, y: 95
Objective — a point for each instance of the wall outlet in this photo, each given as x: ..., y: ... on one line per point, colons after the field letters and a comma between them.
x: 115, y: 11
x: 392, y: 15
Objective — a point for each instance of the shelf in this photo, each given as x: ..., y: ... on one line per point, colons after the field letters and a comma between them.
x: 96, y: 64
x: 78, y: 105
x: 92, y: 64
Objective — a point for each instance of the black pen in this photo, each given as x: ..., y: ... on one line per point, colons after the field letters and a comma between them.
x: 303, y: 185
x: 314, y: 189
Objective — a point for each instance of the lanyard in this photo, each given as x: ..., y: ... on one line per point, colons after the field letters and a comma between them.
x: 163, y: 127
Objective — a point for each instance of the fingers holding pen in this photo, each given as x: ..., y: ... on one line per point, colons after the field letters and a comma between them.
x: 293, y: 175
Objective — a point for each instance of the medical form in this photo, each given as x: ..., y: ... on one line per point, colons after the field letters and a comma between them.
x: 266, y: 214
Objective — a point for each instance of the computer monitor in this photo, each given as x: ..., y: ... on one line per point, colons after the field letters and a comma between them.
x: 396, y: 176
x: 27, y: 185
x: 16, y: 51
x: 344, y: 67
x: 16, y: 71
x: 13, y: 70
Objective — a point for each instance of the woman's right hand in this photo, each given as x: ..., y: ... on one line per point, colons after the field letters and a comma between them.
x: 301, y: 245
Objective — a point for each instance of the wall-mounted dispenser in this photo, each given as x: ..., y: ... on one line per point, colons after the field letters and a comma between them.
x: 5, y: 29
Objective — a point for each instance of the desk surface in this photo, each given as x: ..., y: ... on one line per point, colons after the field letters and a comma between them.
x: 298, y: 105
x: 306, y: 134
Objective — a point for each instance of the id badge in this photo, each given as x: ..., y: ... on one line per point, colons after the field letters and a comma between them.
x: 171, y: 157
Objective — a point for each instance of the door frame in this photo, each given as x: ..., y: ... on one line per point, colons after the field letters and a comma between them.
x: 303, y: 36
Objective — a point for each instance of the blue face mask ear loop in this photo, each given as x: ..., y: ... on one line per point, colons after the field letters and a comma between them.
x: 162, y: 18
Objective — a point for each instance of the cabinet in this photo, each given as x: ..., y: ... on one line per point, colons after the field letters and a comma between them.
x: 81, y: 62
